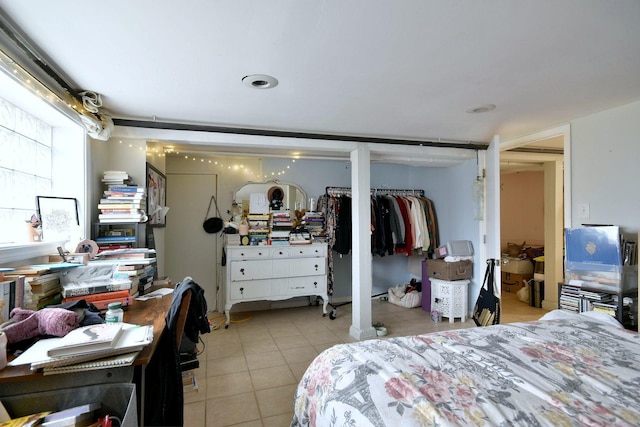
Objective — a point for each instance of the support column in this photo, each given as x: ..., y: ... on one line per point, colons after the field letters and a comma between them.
x: 361, y: 271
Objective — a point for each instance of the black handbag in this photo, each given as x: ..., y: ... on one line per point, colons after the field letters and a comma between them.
x: 212, y: 224
x: 487, y: 309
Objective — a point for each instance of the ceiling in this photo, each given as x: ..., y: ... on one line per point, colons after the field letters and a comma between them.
x: 391, y: 70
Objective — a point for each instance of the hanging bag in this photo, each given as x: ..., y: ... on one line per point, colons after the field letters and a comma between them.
x: 487, y: 309
x: 215, y: 223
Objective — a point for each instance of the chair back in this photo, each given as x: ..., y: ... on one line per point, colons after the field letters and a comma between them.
x: 182, y: 318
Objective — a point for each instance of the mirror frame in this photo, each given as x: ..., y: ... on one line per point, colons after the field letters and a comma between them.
x: 244, y: 191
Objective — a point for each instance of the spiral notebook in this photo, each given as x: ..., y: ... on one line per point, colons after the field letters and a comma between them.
x: 109, y: 362
x: 134, y: 338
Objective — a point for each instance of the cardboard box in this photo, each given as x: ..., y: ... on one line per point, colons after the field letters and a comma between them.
x: 440, y: 269
x: 512, y: 282
x: 116, y: 399
x: 516, y: 265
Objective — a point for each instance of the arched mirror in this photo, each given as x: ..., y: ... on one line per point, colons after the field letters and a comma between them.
x: 277, y: 194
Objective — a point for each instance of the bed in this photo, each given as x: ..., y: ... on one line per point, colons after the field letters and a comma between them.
x: 563, y: 370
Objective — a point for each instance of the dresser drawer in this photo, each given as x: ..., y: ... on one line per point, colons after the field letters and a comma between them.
x: 248, y: 291
x: 309, y: 250
x: 248, y: 252
x: 308, y: 267
x: 281, y: 253
x: 250, y: 270
x: 301, y: 285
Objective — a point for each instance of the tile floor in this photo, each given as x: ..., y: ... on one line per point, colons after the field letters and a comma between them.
x: 249, y: 372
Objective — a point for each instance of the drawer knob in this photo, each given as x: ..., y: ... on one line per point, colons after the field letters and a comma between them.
x: 242, y: 271
x: 315, y: 284
x: 301, y: 252
x: 260, y: 253
x: 242, y: 290
x: 280, y: 253
x: 316, y: 266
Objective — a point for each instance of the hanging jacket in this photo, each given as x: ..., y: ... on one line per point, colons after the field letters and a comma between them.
x: 164, y: 398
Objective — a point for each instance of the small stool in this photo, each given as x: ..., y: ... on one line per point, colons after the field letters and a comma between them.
x: 452, y: 296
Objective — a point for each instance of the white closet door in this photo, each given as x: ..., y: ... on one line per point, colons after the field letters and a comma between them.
x: 188, y: 197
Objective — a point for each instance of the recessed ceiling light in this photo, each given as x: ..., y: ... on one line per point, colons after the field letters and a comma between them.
x: 481, y: 108
x: 260, y: 81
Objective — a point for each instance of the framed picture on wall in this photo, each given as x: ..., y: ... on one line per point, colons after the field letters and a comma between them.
x: 156, y: 197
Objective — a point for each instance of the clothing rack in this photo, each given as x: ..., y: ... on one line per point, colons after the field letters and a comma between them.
x: 346, y: 191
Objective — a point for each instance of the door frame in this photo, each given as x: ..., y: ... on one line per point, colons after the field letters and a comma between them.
x: 557, y: 169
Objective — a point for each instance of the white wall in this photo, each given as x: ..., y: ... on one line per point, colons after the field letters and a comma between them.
x: 449, y: 189
x: 605, y: 172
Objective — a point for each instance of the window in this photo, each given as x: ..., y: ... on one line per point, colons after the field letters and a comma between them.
x: 25, y: 170
x: 42, y: 153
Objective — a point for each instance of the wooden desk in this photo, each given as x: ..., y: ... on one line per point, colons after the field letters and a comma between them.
x: 139, y: 312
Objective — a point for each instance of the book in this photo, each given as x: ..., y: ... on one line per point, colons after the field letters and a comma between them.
x: 107, y: 239
x: 87, y: 288
x: 82, y: 415
x: 133, y: 338
x: 126, y: 188
x: 113, y: 295
x: 125, y: 359
x: 88, y: 339
x: 26, y: 421
x: 131, y: 205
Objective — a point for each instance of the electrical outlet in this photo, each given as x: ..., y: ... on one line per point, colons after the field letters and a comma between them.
x: 583, y: 210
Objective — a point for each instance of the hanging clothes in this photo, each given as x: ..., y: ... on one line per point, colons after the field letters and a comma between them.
x: 400, y: 224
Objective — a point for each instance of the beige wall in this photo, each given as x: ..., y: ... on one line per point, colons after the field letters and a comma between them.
x: 522, y: 208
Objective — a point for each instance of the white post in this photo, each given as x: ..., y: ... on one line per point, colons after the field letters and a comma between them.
x: 361, y: 275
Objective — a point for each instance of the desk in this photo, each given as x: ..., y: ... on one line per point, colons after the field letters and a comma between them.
x: 16, y: 380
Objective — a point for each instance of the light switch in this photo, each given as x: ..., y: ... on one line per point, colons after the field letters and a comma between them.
x: 583, y: 210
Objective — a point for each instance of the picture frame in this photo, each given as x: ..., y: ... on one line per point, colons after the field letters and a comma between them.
x: 58, y: 215
x: 156, y: 197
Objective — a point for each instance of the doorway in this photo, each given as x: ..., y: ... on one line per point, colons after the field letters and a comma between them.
x: 548, y: 153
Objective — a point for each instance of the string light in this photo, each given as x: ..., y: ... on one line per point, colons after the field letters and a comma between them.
x: 239, y: 167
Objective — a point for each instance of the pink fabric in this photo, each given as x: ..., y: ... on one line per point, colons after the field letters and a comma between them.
x: 48, y: 321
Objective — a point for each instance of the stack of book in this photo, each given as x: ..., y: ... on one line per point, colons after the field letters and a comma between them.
x: 122, y: 202
x: 280, y: 227
x: 258, y: 228
x: 113, y: 177
x: 134, y: 264
x: 87, y: 348
x: 115, y: 238
x: 314, y: 222
x: 106, y: 279
x: 12, y: 294
x: 41, y: 286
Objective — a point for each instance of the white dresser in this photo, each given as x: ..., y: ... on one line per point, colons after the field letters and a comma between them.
x: 275, y: 273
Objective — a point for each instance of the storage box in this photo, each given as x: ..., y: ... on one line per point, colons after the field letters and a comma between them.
x: 517, y: 265
x: 512, y: 282
x: 116, y: 399
x: 455, y: 248
x: 614, y: 279
x: 440, y: 269
x: 594, y: 259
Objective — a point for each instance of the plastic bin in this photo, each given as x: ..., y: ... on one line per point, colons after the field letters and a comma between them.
x: 116, y: 399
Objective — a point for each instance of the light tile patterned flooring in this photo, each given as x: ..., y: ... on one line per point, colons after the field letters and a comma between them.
x: 249, y: 372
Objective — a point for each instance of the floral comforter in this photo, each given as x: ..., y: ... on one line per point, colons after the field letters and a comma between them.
x: 564, y: 372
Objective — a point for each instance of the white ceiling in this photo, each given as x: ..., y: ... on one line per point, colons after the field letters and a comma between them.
x: 404, y: 70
